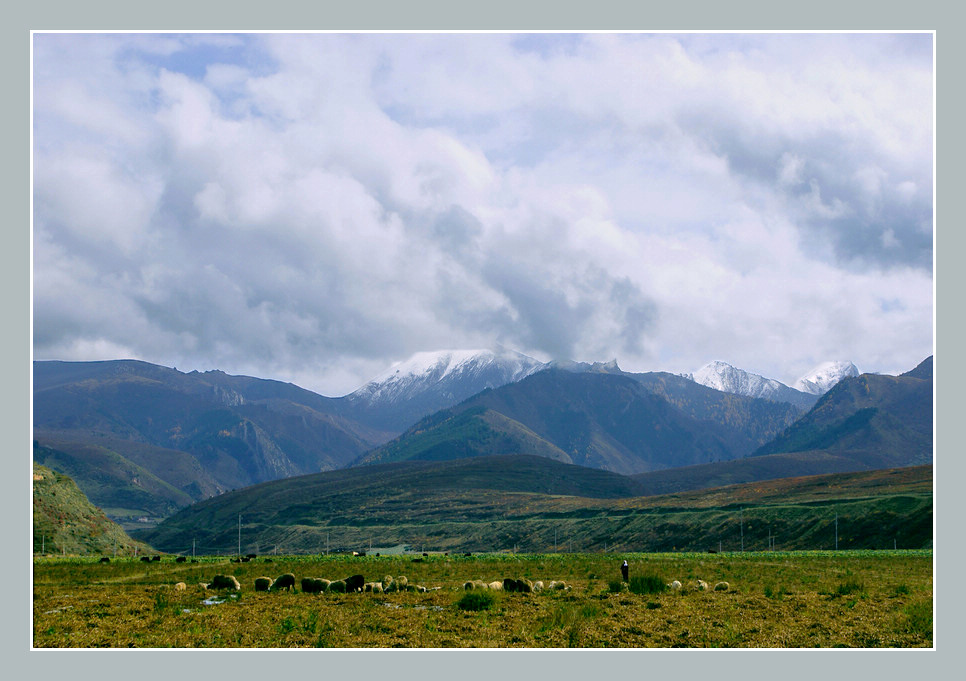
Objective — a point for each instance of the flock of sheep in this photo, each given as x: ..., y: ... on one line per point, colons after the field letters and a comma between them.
x: 389, y: 584
x: 286, y: 582
x: 700, y: 585
x: 515, y: 585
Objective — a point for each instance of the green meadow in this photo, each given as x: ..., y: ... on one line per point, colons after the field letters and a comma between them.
x: 773, y: 599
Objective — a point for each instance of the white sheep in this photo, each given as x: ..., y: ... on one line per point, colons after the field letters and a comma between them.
x: 722, y: 586
x: 675, y: 585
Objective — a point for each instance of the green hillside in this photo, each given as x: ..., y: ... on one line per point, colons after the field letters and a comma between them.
x: 498, y: 503
x: 126, y: 478
x: 622, y: 423
x: 144, y: 439
x: 65, y: 521
x: 888, y: 415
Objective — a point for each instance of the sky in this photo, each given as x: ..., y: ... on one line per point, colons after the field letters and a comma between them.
x: 313, y: 208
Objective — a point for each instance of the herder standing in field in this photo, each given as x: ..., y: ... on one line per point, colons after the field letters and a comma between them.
x: 624, y: 569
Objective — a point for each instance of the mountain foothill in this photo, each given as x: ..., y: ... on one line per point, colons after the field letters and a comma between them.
x: 146, y: 442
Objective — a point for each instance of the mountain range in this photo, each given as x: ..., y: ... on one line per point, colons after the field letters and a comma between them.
x: 626, y: 423
x: 804, y: 393
x: 141, y: 439
x: 430, y: 381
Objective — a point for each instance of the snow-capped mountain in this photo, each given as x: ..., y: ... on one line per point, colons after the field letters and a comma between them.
x: 430, y: 381
x: 823, y: 378
x: 443, y: 371
x: 727, y: 378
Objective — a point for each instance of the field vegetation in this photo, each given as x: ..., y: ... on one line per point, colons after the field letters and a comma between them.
x: 535, y: 505
x: 774, y: 599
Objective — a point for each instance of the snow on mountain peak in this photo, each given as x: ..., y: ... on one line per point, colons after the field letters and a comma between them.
x: 823, y: 378
x: 430, y: 370
x: 726, y: 378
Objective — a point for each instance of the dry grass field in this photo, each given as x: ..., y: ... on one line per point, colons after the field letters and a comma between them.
x: 864, y: 599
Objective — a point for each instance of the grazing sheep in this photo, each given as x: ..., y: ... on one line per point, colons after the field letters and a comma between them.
x: 338, y: 586
x: 391, y: 585
x: 722, y: 586
x: 180, y: 586
x: 517, y: 585
x: 354, y: 583
x: 145, y: 559
x: 156, y: 558
x: 180, y: 559
x: 224, y: 582
x: 496, y: 586
x: 538, y: 585
x: 286, y: 581
x: 420, y: 588
x: 559, y: 586
x: 701, y: 585
x: 105, y: 559
x: 263, y: 583
x: 311, y: 585
x: 374, y: 587
x: 251, y: 555
x: 675, y: 585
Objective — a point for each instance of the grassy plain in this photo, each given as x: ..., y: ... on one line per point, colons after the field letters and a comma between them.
x: 865, y: 599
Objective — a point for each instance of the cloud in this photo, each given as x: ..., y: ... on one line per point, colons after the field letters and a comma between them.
x: 315, y: 207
